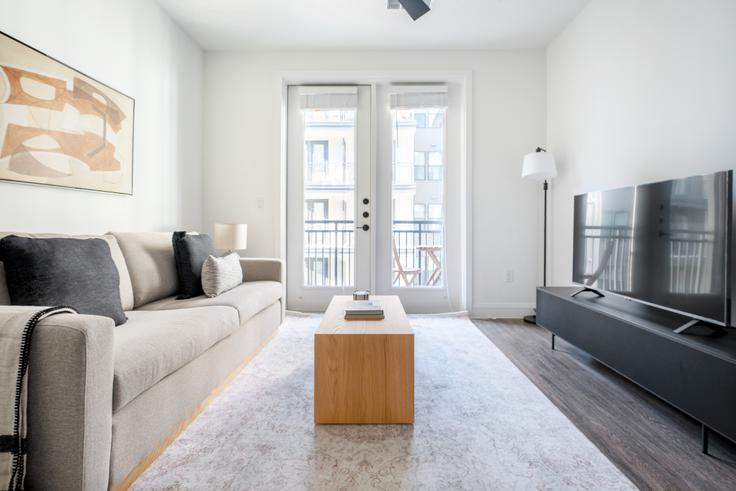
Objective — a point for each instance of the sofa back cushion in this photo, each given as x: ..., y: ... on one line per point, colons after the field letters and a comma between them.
x: 150, y: 260
x: 126, y: 287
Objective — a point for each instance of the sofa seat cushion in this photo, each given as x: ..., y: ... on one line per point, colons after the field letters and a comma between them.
x: 248, y: 299
x: 154, y: 344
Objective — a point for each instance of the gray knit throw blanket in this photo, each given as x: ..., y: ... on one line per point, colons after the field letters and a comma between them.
x: 16, y: 330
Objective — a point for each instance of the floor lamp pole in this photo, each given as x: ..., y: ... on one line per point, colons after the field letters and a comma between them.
x: 532, y: 319
x: 544, y: 259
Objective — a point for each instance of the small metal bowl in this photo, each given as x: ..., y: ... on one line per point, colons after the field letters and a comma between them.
x: 361, y: 295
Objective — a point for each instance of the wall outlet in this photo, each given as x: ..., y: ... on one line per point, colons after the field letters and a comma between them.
x: 260, y: 201
x: 508, y: 276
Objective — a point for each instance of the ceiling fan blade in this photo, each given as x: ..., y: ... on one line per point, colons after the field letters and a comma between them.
x: 415, y: 8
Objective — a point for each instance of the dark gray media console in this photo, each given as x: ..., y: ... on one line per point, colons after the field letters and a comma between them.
x: 693, y: 371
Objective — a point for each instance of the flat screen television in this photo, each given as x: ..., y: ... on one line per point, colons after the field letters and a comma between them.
x: 667, y: 244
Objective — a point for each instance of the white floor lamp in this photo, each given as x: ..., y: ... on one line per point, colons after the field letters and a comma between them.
x: 540, y: 166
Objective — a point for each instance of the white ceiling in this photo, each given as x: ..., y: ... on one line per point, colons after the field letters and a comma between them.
x: 367, y: 24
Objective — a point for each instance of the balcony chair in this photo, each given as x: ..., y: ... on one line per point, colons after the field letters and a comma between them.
x: 407, y: 275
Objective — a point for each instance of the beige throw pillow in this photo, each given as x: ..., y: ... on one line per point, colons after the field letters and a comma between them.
x: 220, y: 274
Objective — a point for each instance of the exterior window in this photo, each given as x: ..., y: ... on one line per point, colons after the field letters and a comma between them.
x: 344, y: 163
x: 316, y: 209
x: 420, y: 211
x: 420, y: 166
x: 435, y: 211
x: 437, y: 119
x: 421, y: 119
x: 427, y: 166
x: 434, y: 166
x: 317, y: 156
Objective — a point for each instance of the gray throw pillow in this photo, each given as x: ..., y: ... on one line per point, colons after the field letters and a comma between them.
x: 220, y: 274
x: 77, y: 273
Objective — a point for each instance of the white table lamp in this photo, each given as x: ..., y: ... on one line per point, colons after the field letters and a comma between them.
x: 540, y: 166
x: 231, y: 236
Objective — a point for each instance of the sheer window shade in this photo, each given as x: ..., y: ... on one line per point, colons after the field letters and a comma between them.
x: 434, y: 97
x: 326, y: 98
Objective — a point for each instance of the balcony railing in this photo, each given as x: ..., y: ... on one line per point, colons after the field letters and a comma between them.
x: 409, y: 237
x: 610, y: 259
x: 329, y: 252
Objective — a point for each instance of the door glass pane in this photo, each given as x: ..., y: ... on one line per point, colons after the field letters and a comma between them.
x: 329, y: 186
x: 418, y: 216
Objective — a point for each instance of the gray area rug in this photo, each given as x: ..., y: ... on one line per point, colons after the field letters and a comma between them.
x: 480, y: 424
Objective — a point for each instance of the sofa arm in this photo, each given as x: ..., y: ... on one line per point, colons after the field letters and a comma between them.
x: 261, y: 269
x: 70, y: 376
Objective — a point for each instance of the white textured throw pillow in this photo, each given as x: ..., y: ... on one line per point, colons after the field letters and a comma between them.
x: 220, y: 274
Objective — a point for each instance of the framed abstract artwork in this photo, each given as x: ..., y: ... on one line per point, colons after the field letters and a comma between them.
x: 60, y: 127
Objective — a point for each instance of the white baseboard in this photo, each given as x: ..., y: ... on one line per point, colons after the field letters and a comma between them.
x: 509, y: 310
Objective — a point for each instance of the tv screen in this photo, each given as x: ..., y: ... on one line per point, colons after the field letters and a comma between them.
x: 663, y: 243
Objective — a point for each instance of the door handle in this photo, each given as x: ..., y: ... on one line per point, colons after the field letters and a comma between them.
x: 364, y: 227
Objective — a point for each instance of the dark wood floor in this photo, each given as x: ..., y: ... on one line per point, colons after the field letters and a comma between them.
x: 654, y: 444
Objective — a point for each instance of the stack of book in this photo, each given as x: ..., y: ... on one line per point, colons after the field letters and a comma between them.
x: 364, y: 310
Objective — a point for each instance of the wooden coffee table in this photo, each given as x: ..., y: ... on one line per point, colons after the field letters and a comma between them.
x: 364, y: 370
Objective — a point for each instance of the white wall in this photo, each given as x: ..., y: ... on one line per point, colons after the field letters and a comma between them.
x: 243, y: 136
x: 638, y: 91
x: 133, y: 46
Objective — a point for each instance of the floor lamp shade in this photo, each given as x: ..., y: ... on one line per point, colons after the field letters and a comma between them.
x: 231, y: 236
x: 539, y: 166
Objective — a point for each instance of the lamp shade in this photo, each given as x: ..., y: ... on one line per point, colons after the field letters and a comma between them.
x: 231, y: 236
x: 539, y: 166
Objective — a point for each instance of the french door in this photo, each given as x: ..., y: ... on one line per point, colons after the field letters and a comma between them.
x: 329, y: 200
x: 367, y: 207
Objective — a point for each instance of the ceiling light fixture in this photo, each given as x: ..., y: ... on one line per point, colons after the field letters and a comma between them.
x: 415, y: 8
